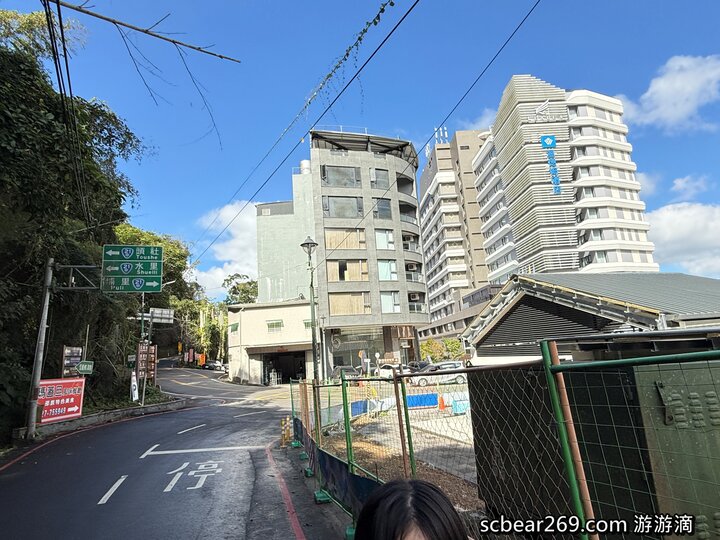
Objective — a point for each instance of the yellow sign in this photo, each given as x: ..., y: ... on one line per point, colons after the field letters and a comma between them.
x: 179, y: 347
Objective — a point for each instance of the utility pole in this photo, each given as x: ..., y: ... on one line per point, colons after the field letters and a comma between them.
x: 39, y: 352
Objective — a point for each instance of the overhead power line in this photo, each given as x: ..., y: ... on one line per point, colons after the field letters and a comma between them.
x: 147, y: 31
x: 313, y: 95
x: 317, y: 120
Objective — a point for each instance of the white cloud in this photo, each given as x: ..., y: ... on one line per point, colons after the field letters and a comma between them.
x: 689, y: 186
x: 649, y: 182
x: 235, y: 251
x: 685, y: 236
x: 484, y: 121
x: 674, y: 98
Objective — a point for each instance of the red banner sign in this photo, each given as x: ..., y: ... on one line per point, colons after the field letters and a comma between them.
x: 60, y: 399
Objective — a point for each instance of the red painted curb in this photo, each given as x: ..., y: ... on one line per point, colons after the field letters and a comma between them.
x: 292, y: 513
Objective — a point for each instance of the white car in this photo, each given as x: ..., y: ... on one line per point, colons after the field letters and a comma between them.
x: 438, y: 377
x: 386, y: 370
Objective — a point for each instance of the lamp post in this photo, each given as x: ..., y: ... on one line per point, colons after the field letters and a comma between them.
x: 309, y: 246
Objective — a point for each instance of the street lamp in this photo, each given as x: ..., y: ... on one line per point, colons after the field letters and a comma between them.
x: 309, y: 246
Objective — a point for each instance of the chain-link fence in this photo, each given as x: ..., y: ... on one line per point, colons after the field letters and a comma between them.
x: 633, y: 440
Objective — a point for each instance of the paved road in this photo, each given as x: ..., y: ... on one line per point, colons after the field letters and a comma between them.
x: 202, y: 472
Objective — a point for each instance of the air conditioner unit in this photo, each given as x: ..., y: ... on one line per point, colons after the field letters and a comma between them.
x: 414, y: 296
x: 412, y: 267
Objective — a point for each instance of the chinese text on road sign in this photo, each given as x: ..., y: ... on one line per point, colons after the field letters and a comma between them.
x: 132, y: 268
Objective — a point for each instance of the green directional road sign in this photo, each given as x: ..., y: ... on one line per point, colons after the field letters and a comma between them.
x: 132, y: 268
x: 85, y: 367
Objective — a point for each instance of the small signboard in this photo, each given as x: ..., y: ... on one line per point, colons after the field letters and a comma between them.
x: 85, y: 367
x: 60, y: 399
x: 131, y: 360
x: 146, y: 361
x: 132, y: 268
x: 133, y: 387
x: 161, y: 316
x: 71, y: 358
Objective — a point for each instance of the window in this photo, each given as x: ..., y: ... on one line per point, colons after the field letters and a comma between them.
x: 592, y: 213
x: 464, y: 147
x: 308, y: 324
x: 595, y: 234
x: 390, y: 302
x: 275, y: 326
x: 234, y: 327
x: 344, y: 270
x: 340, y: 176
x: 600, y: 257
x: 379, y: 178
x: 387, y: 270
x: 342, y: 207
x: 384, y: 239
x: 382, y: 209
x: 357, y: 303
x: 345, y: 238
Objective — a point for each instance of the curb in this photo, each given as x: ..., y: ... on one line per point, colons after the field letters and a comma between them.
x: 102, y: 418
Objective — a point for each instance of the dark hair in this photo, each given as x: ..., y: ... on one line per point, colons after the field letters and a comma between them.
x: 396, y: 508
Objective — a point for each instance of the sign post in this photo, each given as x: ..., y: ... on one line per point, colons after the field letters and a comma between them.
x: 128, y: 269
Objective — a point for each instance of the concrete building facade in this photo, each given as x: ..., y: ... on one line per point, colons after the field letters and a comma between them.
x: 450, y: 230
x: 356, y: 198
x: 556, y: 185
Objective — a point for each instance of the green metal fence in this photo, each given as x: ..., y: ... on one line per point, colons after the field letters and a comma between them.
x: 633, y: 440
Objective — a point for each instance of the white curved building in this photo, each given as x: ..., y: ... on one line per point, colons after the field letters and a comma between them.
x: 556, y: 185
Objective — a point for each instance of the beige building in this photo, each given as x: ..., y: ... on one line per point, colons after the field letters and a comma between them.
x: 450, y: 228
x: 270, y: 342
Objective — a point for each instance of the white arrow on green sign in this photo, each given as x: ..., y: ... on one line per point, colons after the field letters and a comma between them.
x: 132, y: 268
x: 85, y: 367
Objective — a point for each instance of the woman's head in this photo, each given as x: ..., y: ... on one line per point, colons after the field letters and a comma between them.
x: 409, y: 510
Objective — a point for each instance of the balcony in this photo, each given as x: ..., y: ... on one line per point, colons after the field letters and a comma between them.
x: 417, y: 277
x: 408, y: 219
x: 411, y: 246
x: 416, y: 307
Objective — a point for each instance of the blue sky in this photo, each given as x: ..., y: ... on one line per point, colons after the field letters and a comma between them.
x: 664, y: 61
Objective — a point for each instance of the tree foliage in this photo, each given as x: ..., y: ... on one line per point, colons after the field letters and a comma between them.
x: 27, y: 33
x: 432, y: 348
x: 453, y: 347
x: 241, y: 289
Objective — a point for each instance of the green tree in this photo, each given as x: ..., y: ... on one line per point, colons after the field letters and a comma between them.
x: 241, y: 289
x: 27, y: 32
x: 453, y: 347
x: 432, y: 348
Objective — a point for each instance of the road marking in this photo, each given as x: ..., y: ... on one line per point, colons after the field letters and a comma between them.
x: 152, y: 452
x: 186, y: 383
x: 172, y: 483
x: 112, y: 489
x: 149, y: 451
x: 247, y: 414
x: 190, y: 429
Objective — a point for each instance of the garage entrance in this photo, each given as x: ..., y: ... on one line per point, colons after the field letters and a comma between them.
x: 286, y: 366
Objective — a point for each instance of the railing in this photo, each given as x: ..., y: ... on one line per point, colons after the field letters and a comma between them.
x: 416, y: 307
x: 411, y: 246
x: 408, y: 219
x: 417, y: 277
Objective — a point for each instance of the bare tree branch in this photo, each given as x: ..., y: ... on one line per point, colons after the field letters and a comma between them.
x: 137, y: 68
x: 146, y: 31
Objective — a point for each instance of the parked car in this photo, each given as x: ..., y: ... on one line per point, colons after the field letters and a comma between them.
x: 349, y: 371
x: 454, y: 364
x: 437, y: 377
x: 215, y: 365
x: 418, y: 365
x: 386, y: 370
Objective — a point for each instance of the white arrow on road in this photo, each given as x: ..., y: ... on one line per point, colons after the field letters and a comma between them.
x: 112, y: 252
x: 112, y: 268
x: 152, y: 283
x: 73, y: 409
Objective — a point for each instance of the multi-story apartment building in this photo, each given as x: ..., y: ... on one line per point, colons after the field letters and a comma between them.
x: 450, y: 230
x: 556, y: 185
x: 356, y: 198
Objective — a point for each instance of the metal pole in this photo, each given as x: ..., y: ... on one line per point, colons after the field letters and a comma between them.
x: 316, y: 366
x: 322, y: 353
x: 563, y: 435
x: 39, y: 352
x: 346, y: 421
x: 142, y: 317
x: 411, y: 450
x: 572, y: 438
x: 639, y: 361
x: 398, y: 406
x: 87, y: 338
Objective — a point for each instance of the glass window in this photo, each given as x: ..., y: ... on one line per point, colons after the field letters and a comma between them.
x: 599, y: 113
x: 390, y: 302
x: 592, y: 213
x: 307, y: 324
x: 275, y: 326
x: 387, y: 270
x: 382, y: 209
x: 380, y: 178
x: 340, y: 176
x: 342, y: 207
x: 600, y: 257
x: 384, y: 239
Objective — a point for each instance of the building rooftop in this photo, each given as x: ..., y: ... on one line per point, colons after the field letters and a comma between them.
x: 364, y: 142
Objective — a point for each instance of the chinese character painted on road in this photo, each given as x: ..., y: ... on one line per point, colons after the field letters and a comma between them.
x: 204, y: 469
